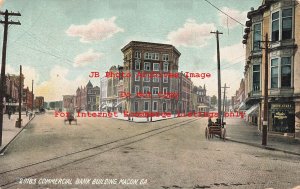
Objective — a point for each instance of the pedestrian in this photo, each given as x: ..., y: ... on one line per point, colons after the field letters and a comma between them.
x: 9, y: 114
x: 30, y: 115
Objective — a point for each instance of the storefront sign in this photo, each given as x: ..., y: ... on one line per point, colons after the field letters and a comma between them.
x: 280, y: 115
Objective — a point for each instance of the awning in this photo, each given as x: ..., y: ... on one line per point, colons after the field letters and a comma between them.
x: 118, y: 104
x: 110, y: 105
x: 253, y: 110
x: 242, y: 106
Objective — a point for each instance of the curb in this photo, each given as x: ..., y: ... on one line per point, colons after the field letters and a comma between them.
x: 2, y: 151
x: 263, y: 147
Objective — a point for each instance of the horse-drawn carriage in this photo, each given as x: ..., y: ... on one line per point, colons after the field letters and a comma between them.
x: 215, y: 129
x: 70, y: 118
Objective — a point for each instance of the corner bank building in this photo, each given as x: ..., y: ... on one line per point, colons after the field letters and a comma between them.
x: 150, y: 58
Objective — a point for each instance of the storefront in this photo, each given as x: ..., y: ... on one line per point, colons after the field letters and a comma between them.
x: 282, y: 117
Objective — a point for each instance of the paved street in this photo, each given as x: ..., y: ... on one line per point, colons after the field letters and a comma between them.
x: 169, y: 154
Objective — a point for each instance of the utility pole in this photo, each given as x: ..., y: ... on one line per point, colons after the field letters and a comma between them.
x: 265, y: 119
x: 32, y: 97
x: 2, y: 80
x: 223, y: 111
x: 19, y: 121
x: 219, y: 73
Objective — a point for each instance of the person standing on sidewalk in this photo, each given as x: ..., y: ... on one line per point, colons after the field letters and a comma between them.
x: 30, y: 115
x: 9, y: 114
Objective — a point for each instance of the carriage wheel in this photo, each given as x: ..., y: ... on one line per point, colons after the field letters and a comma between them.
x: 206, y: 133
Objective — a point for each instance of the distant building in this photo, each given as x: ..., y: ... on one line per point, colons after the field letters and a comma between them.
x: 103, y: 94
x: 39, y: 102
x: 85, y: 98
x: 185, y: 91
x: 113, y: 90
x: 69, y: 102
x: 238, y: 100
x: 28, y: 97
x: 200, y: 101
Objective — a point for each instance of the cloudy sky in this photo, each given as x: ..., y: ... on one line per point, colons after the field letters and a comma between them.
x: 60, y: 42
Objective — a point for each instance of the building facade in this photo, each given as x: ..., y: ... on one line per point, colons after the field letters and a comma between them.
x: 103, y: 94
x: 85, y: 98
x: 39, y: 102
x: 28, y: 97
x: 185, y: 94
x: 142, y: 60
x: 279, y: 23
x: 69, y: 102
x: 200, y: 102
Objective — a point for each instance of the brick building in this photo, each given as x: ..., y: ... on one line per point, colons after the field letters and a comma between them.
x: 85, y: 98
x: 28, y: 97
x: 39, y: 102
x: 147, y: 58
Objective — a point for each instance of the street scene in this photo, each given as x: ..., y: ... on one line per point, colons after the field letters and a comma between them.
x: 150, y: 94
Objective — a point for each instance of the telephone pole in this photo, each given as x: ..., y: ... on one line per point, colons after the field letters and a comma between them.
x: 2, y: 80
x: 32, y: 97
x: 265, y: 119
x: 219, y: 73
x: 19, y: 121
x: 224, y: 102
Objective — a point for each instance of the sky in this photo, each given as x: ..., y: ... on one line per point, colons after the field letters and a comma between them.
x: 60, y: 42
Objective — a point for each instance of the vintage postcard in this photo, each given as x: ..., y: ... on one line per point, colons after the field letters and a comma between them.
x: 160, y: 94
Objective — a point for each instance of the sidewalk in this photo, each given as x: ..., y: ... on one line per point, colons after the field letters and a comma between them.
x: 238, y: 130
x: 9, y: 129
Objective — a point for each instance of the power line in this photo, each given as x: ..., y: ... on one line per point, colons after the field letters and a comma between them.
x: 225, y: 13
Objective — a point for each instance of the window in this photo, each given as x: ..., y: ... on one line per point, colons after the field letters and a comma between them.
x: 151, y: 56
x: 137, y: 64
x: 136, y: 89
x: 147, y: 66
x: 256, y: 36
x: 155, y: 106
x: 164, y: 107
x: 165, y: 79
x: 136, y: 106
x: 146, y: 106
x: 165, y: 68
x: 287, y: 23
x: 137, y: 54
x: 256, y: 77
x: 165, y: 90
x: 136, y: 77
x: 147, y: 55
x: 156, y: 79
x: 274, y: 73
x: 165, y: 57
x: 155, y: 90
x: 282, y: 22
x: 275, y: 26
x: 147, y: 78
x: 155, y: 66
x: 286, y: 72
x: 146, y: 89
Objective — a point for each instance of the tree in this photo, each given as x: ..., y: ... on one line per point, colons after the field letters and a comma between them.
x: 213, y: 100
x: 52, y: 105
